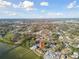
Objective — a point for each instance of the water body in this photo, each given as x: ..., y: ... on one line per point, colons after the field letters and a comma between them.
x: 5, y: 51
x: 16, y: 52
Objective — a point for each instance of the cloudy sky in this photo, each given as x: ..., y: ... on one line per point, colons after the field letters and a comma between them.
x: 39, y: 8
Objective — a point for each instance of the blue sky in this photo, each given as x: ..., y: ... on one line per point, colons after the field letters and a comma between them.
x: 39, y: 8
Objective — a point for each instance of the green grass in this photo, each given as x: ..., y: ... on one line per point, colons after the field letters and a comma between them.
x: 21, y: 53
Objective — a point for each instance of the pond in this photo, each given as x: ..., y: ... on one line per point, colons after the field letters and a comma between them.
x: 16, y: 52
x: 5, y: 51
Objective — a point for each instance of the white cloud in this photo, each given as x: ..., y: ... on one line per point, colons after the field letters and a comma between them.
x: 10, y: 13
x: 28, y: 5
x: 54, y: 14
x: 15, y: 6
x: 44, y: 4
x: 43, y: 11
x: 4, y: 4
x: 50, y: 15
x: 72, y: 4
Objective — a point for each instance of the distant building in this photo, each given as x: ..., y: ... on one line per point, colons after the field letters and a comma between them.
x: 75, y: 55
x: 2, y: 35
x: 65, y: 57
x: 41, y: 44
x: 52, y: 55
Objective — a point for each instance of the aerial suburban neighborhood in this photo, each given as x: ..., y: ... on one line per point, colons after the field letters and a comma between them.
x: 39, y: 39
